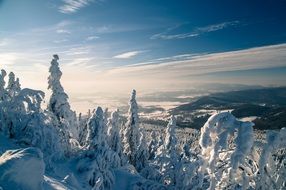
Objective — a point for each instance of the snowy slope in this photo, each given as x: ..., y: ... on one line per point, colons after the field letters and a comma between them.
x: 23, y: 168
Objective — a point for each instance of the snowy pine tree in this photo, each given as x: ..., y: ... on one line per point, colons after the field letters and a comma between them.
x: 131, y: 132
x: 59, y: 104
x: 169, y: 159
x: 142, y: 154
x: 96, y: 162
x: 83, y: 127
x: 105, y: 120
x: 2, y: 85
x: 114, y: 138
x: 153, y: 146
x: 95, y: 135
x: 13, y: 87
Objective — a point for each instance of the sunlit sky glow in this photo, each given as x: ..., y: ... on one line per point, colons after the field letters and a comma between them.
x: 111, y: 47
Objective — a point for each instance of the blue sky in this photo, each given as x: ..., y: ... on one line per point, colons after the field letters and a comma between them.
x: 147, y: 29
x: 100, y: 39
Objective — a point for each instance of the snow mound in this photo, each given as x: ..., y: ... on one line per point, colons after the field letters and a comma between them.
x: 22, y: 169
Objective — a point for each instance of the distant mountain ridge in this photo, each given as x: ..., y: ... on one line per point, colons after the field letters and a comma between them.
x: 268, y: 104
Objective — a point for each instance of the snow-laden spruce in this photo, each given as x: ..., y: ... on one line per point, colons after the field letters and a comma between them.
x: 153, y: 145
x: 169, y: 159
x: 221, y: 161
x: 82, y: 127
x: 131, y: 132
x: 13, y: 87
x: 135, y: 145
x: 97, y: 161
x: 105, y: 121
x: 142, y: 154
x: 58, y: 103
x: 114, y: 138
x: 2, y: 84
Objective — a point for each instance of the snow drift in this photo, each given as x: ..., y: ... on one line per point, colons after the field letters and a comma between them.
x: 22, y: 169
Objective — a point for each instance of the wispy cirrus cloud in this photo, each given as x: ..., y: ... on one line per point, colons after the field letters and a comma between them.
x: 166, y: 35
x: 181, y: 57
x: 62, y: 31
x: 90, y: 38
x: 71, y: 6
x: 215, y: 27
x: 127, y: 55
x: 60, y: 41
x: 271, y: 56
x: 201, y: 69
x: 173, y: 36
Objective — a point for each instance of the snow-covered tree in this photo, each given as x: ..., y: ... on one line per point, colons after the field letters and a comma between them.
x: 222, y: 162
x: 58, y: 103
x: 2, y: 85
x: 153, y: 145
x: 17, y: 112
x: 23, y: 119
x: 161, y: 138
x: 169, y: 158
x: 13, y: 87
x: 82, y: 127
x: 142, y: 154
x: 272, y: 166
x: 105, y: 120
x: 131, y: 133
x: 114, y: 138
x: 135, y: 146
x: 95, y: 135
x: 96, y: 162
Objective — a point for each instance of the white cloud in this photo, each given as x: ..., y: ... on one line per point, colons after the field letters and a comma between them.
x: 253, y: 58
x: 9, y: 58
x: 173, y: 36
x: 62, y: 31
x: 215, y: 27
x: 90, y: 38
x: 181, y: 57
x: 127, y: 55
x: 60, y: 41
x: 197, y: 32
x: 199, y: 69
x: 79, y: 61
x: 71, y: 6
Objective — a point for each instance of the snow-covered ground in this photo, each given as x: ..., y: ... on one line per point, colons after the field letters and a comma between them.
x: 24, y: 168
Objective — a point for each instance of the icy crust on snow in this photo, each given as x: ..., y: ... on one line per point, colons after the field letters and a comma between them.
x: 22, y: 169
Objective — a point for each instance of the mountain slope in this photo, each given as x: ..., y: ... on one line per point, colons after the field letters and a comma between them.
x: 268, y: 105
